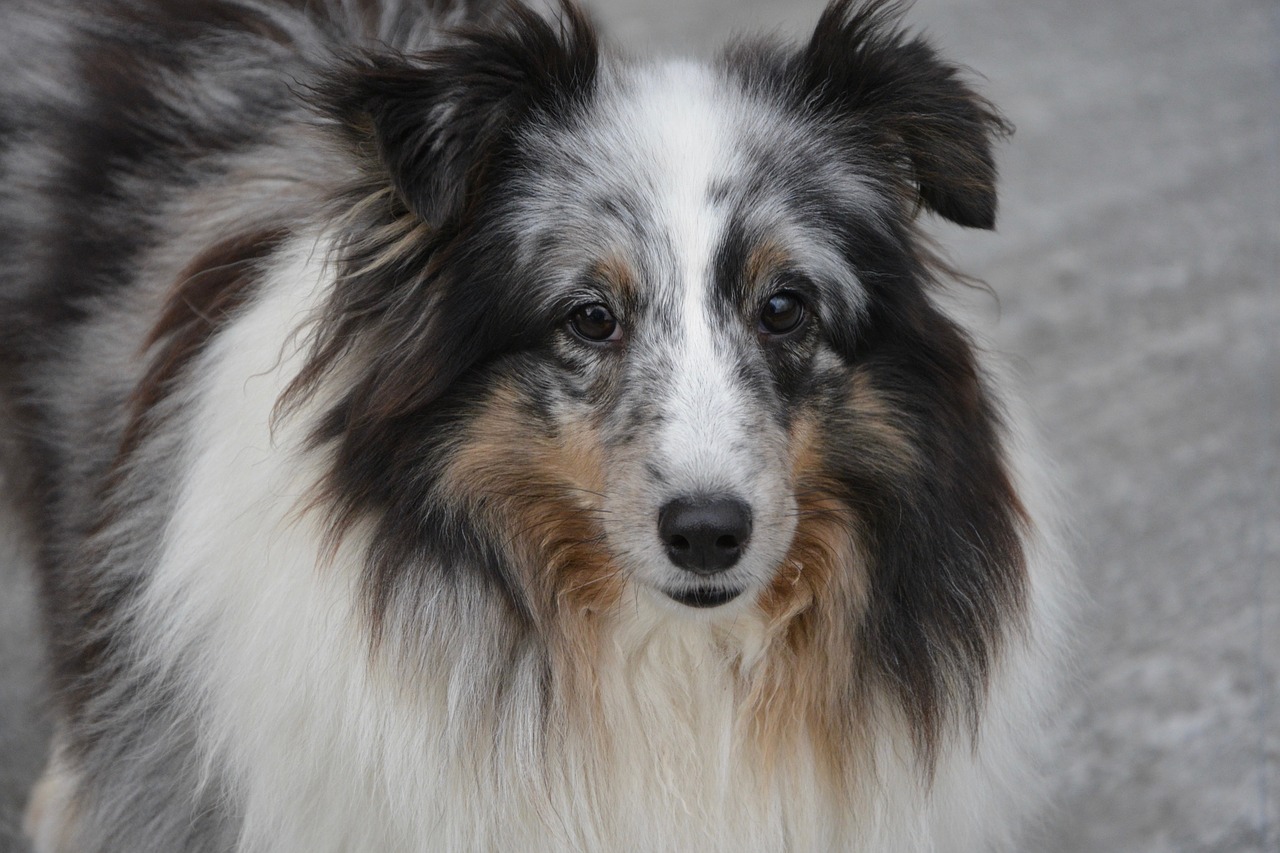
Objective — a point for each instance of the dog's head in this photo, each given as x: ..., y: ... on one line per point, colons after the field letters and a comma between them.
x: 618, y: 329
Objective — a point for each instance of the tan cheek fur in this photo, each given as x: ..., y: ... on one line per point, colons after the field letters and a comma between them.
x: 805, y: 682
x: 542, y: 494
x: 815, y: 605
x: 545, y: 491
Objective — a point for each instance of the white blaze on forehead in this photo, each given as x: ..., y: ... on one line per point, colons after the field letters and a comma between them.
x: 685, y: 121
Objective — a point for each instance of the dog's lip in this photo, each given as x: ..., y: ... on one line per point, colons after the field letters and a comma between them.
x: 704, y: 597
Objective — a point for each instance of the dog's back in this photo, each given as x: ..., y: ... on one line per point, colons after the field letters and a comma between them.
x: 134, y: 138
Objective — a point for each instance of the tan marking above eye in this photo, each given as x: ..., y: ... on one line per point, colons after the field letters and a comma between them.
x: 618, y: 275
x: 765, y: 262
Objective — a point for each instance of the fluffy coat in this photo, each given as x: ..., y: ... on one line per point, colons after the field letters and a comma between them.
x: 348, y: 530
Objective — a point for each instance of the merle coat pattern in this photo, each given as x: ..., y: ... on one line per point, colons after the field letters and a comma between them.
x: 359, y: 355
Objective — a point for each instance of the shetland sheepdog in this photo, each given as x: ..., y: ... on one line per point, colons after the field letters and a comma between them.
x: 443, y: 433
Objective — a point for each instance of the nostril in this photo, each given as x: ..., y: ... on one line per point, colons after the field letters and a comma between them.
x: 705, y: 534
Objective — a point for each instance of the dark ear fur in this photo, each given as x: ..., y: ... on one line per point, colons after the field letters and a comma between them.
x: 861, y: 64
x: 439, y: 119
x: 436, y: 127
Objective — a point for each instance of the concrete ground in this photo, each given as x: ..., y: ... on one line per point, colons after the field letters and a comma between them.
x: 1136, y: 265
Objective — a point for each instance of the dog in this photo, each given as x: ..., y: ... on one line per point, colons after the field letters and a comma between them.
x: 444, y: 433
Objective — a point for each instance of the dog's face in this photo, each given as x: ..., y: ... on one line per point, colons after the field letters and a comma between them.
x: 698, y: 250
x: 667, y: 329
x: 694, y: 305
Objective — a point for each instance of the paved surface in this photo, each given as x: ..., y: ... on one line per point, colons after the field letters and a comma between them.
x: 1137, y: 265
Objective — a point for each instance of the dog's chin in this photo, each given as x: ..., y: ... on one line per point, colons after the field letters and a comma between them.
x: 704, y: 598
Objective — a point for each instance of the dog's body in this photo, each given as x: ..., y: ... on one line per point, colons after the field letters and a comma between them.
x: 457, y: 440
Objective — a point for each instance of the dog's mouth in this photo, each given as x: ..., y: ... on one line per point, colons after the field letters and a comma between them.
x: 704, y: 598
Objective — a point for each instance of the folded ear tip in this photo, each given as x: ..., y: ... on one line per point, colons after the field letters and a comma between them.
x: 986, y: 221
x: 977, y: 210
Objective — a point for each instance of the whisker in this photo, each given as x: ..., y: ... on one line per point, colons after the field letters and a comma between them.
x: 591, y: 582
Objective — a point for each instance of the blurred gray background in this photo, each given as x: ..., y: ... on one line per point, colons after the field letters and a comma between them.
x: 1136, y: 264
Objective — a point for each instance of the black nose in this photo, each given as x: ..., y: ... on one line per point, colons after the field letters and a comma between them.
x: 705, y: 534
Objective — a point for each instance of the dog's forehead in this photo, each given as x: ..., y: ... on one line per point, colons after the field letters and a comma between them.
x: 667, y: 161
x: 637, y: 167
x: 673, y: 130
x: 673, y: 126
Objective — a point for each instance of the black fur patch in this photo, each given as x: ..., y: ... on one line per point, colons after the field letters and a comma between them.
x: 948, y: 571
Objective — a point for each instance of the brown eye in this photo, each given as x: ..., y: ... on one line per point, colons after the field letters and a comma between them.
x: 782, y: 313
x: 595, y: 323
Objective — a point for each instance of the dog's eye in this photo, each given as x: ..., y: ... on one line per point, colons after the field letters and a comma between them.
x: 595, y: 323
x: 782, y: 312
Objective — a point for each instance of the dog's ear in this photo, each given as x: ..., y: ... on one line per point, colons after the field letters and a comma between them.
x: 439, y: 120
x: 862, y: 67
